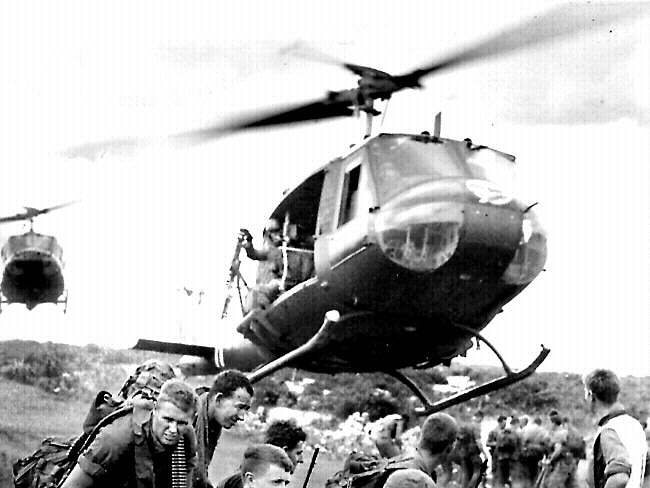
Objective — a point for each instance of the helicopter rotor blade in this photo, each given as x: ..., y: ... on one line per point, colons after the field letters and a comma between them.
x: 31, y: 212
x: 304, y: 50
x: 337, y: 104
x: 94, y: 151
x: 55, y: 207
x: 553, y: 24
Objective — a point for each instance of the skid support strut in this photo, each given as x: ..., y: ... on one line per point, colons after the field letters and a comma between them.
x: 318, y: 341
x: 508, y: 379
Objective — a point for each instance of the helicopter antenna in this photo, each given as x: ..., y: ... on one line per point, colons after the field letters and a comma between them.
x: 437, y: 125
x: 369, y: 117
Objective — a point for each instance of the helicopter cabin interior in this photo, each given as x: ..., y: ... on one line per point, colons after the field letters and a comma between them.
x: 328, y: 199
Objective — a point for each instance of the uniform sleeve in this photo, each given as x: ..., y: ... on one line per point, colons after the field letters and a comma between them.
x: 107, y: 450
x: 617, y: 459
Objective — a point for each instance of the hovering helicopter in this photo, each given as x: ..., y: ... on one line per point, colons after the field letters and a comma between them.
x: 417, y: 240
x: 32, y: 265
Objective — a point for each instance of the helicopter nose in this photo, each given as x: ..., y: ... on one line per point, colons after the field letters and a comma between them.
x: 424, y: 228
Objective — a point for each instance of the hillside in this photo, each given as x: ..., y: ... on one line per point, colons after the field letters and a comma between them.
x: 82, y: 371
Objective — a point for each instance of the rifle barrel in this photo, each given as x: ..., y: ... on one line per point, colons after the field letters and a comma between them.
x: 311, y: 466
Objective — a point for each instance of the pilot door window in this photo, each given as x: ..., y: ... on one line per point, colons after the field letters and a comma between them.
x: 355, y: 197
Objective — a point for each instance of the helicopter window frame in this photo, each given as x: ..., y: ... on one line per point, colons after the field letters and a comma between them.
x: 355, y: 191
x: 303, y: 205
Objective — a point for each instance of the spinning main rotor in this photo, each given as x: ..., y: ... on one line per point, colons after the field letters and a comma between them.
x: 374, y: 84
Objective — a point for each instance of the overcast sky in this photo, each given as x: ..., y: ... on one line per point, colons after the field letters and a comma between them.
x: 575, y: 112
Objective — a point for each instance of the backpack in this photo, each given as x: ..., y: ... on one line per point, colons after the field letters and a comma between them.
x: 576, y: 445
x: 366, y: 471
x: 51, y: 464
x: 45, y: 467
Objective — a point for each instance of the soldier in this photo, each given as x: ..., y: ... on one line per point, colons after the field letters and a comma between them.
x: 269, y: 271
x: 535, y: 441
x: 409, y: 478
x: 435, y: 445
x: 273, y: 276
x: 560, y: 463
x: 285, y: 434
x: 220, y: 408
x: 492, y: 441
x: 136, y: 449
x: 467, y: 455
x: 477, y: 430
x: 505, y: 453
x: 387, y: 434
x: 620, y: 449
x: 265, y: 466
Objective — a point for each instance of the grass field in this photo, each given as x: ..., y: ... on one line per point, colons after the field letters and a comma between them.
x: 27, y: 416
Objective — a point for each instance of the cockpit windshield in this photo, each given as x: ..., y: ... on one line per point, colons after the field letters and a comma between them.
x: 399, y: 162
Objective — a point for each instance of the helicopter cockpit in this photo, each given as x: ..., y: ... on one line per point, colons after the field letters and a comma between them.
x: 399, y: 162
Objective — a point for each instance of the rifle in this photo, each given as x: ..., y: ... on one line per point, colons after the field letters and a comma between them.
x: 234, y: 272
x: 311, y: 466
x: 543, y: 473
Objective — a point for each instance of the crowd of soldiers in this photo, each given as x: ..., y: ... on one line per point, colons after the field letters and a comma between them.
x: 526, y: 453
x: 171, y: 441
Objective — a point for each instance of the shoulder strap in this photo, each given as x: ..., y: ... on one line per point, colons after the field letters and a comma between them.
x: 85, y: 440
x: 144, y: 474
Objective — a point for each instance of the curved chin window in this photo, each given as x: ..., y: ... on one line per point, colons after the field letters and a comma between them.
x: 422, y: 237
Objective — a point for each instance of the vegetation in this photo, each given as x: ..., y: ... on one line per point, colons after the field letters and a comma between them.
x: 63, y: 369
x: 379, y: 394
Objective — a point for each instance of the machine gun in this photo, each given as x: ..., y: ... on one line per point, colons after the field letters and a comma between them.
x: 234, y: 274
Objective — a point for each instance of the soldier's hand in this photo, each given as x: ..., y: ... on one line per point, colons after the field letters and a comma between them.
x: 245, y: 237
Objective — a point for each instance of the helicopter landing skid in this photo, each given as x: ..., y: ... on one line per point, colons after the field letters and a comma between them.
x: 508, y: 379
x: 317, y: 342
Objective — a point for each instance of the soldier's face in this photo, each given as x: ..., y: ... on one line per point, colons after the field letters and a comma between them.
x: 169, y: 423
x: 296, y: 453
x: 273, y: 477
x: 275, y: 236
x: 228, y: 410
